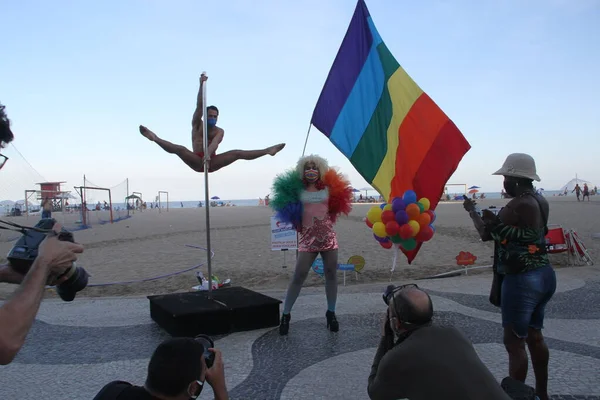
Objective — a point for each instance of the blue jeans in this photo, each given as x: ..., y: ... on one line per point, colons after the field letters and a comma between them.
x: 524, y: 299
x: 46, y: 214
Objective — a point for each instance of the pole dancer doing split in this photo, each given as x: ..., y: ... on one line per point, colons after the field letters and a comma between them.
x: 195, y: 159
x: 311, y: 197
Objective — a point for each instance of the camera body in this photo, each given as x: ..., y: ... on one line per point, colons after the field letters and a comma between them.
x: 25, y: 251
x: 207, y: 343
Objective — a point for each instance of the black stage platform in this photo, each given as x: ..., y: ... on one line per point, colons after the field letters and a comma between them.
x: 232, y: 309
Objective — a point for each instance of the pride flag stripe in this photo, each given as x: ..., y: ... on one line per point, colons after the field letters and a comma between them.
x: 361, y: 102
x: 345, y: 70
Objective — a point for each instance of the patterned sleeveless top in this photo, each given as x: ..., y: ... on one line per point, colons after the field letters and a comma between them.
x: 519, y: 249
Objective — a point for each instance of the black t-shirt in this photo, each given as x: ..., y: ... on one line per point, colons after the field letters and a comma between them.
x: 119, y: 390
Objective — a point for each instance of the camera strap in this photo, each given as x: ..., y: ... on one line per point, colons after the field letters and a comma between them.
x: 21, y: 228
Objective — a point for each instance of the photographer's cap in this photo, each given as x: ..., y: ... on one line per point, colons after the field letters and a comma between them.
x: 519, y: 165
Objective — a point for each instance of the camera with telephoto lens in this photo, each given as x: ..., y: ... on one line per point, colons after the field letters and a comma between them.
x: 207, y: 343
x: 25, y: 251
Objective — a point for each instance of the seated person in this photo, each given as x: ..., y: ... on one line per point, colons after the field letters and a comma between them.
x: 177, y: 371
x: 418, y: 360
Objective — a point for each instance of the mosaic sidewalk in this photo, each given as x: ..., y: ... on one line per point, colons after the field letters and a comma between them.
x: 75, y: 348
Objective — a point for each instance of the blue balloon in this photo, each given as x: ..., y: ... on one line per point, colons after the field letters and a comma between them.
x: 382, y: 205
x: 401, y: 217
x: 398, y: 204
x: 409, y: 197
x: 432, y: 227
x: 380, y: 239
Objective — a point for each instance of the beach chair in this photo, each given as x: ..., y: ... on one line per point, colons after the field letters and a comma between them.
x: 559, y: 240
x: 578, y: 249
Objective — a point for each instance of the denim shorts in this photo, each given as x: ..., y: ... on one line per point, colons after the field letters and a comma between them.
x: 524, y: 299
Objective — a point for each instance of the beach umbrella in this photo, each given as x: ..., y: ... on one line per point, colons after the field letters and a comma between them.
x: 474, y: 187
x: 215, y: 198
x: 473, y: 191
x: 355, y: 190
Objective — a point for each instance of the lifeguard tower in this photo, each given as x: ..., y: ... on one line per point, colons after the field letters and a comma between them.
x: 51, y: 191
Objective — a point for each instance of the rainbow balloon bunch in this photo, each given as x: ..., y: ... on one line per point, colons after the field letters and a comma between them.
x: 404, y: 221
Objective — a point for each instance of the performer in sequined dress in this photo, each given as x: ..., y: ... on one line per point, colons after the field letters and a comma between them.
x: 311, y: 197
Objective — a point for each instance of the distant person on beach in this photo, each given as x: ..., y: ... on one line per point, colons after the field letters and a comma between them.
x: 195, y: 158
x: 586, y: 192
x: 527, y: 280
x: 577, y: 191
x: 311, y: 197
x: 46, y: 208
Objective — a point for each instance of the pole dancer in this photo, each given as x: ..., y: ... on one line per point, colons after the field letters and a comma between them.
x: 311, y: 197
x: 206, y: 137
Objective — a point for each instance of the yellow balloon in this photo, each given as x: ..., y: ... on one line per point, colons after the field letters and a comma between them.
x: 387, y: 207
x: 415, y: 227
x: 379, y: 229
x: 425, y: 203
x: 374, y: 214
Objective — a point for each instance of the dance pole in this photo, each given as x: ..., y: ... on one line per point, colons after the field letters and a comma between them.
x: 206, y: 167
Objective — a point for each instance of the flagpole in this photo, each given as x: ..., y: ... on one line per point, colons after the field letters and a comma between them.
x: 306, y: 141
x: 206, y: 195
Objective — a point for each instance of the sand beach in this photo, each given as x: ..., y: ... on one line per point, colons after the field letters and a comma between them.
x: 152, y: 244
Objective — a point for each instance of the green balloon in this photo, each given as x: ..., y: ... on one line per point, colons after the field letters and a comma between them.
x: 409, y: 244
x: 421, y: 207
x: 396, y: 239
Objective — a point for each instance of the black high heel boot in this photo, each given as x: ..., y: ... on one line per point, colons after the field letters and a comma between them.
x: 284, y: 325
x: 332, y: 322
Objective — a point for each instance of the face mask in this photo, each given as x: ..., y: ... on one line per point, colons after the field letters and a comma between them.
x: 510, y: 187
x: 211, y: 121
x: 311, y: 175
x: 197, y: 394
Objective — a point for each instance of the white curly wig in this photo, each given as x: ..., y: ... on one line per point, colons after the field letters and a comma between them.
x: 320, y: 162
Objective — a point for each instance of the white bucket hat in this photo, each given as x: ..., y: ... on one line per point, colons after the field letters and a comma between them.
x: 519, y: 165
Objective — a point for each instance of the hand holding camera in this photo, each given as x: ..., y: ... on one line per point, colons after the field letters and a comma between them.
x: 58, y: 255
x: 57, y: 250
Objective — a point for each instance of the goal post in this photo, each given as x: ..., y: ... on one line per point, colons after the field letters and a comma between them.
x: 89, y: 194
x: 159, y: 197
x: 459, y: 186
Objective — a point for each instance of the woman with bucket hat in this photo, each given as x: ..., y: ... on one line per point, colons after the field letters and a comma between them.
x: 525, y: 279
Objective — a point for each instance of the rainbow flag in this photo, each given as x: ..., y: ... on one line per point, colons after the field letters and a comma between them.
x: 392, y: 132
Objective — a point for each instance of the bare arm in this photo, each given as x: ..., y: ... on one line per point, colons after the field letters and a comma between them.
x: 480, y: 226
x: 214, y: 143
x: 18, y: 313
x: 199, y: 112
x: 9, y: 275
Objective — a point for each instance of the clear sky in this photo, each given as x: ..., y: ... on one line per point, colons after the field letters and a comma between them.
x: 78, y: 77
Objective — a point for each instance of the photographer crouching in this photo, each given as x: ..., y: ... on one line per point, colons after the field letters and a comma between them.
x: 418, y: 360
x: 53, y: 265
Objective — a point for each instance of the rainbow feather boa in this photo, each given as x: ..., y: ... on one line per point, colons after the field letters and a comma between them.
x: 288, y: 186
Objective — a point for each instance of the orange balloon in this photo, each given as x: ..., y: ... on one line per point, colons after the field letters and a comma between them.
x: 413, y: 211
x: 424, y: 220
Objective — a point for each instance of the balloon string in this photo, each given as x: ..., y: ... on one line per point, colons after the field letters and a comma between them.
x: 395, y: 259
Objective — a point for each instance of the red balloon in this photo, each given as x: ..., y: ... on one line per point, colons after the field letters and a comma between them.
x: 392, y: 228
x: 369, y: 224
x: 405, y: 231
x: 388, y: 216
x: 425, y: 234
x: 432, y: 215
x: 413, y: 211
x: 424, y: 220
x: 386, y: 245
